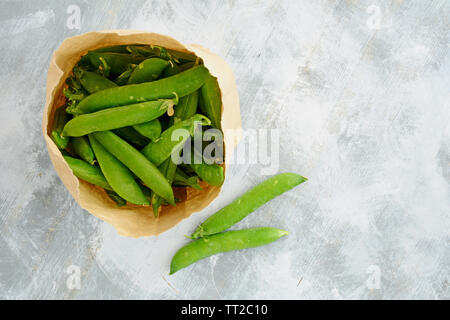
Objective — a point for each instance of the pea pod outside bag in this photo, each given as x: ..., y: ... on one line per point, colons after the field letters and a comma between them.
x: 131, y: 220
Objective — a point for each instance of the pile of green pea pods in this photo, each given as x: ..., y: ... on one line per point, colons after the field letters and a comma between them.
x: 122, y: 105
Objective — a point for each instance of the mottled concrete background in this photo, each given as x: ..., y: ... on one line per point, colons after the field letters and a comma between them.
x: 359, y: 91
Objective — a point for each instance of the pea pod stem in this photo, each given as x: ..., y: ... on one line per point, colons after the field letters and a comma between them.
x: 247, y: 203
x: 223, y: 242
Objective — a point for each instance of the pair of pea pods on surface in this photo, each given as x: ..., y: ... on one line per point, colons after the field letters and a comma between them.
x: 123, y: 105
x: 211, y: 236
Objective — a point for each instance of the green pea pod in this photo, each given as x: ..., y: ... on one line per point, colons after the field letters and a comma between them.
x: 181, y: 84
x: 137, y: 163
x: 168, y: 169
x: 223, y: 242
x: 187, y: 106
x: 92, y: 81
x: 130, y: 135
x: 211, y: 101
x: 165, y: 145
x: 87, y: 172
x: 212, y: 174
x: 148, y: 70
x: 82, y: 148
x: 151, y: 129
x: 248, y: 202
x: 117, y: 62
x: 118, y: 117
x: 118, y: 175
x: 116, y: 198
x: 181, y: 179
x: 59, y: 120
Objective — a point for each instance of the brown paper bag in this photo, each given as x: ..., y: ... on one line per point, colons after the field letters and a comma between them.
x: 132, y: 220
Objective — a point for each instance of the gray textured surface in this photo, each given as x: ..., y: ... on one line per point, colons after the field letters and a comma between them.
x: 363, y: 112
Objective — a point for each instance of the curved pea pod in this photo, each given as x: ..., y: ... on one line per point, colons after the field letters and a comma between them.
x: 118, y: 175
x: 151, y: 129
x: 211, y: 101
x: 212, y: 174
x: 116, y: 62
x: 167, y: 143
x: 223, y: 242
x: 92, y: 81
x: 181, y: 179
x: 118, y: 117
x: 116, y: 198
x: 168, y: 169
x: 187, y: 106
x: 137, y: 163
x: 59, y: 121
x: 87, y: 172
x: 181, y: 84
x: 82, y: 148
x: 248, y: 202
x: 148, y: 70
x: 130, y: 135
